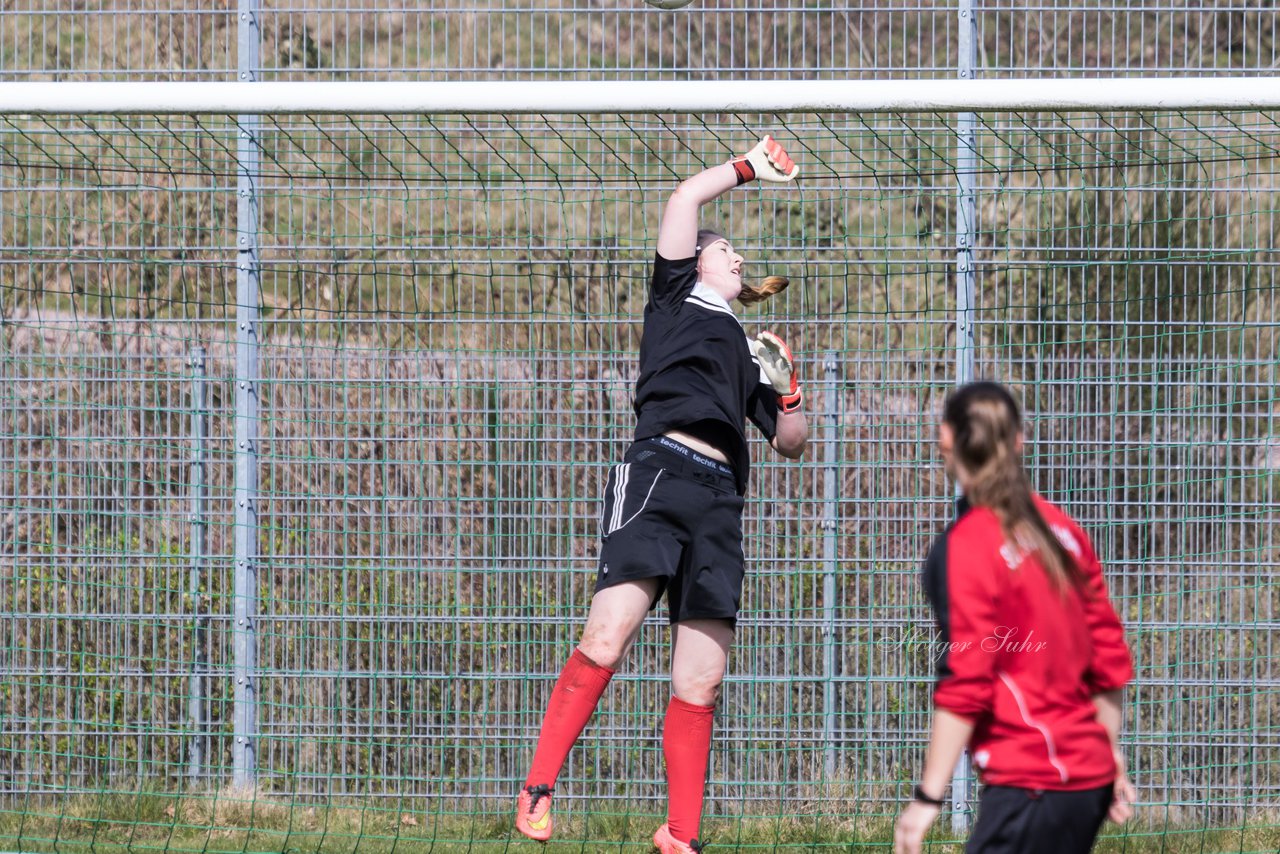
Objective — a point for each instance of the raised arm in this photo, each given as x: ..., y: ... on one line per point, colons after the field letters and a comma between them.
x: 678, y: 234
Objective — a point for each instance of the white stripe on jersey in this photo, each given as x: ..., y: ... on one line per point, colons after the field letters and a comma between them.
x: 1031, y: 722
x: 619, y: 496
x: 703, y: 297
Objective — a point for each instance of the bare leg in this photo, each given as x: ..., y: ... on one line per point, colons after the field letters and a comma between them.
x: 699, y: 659
x: 615, y: 618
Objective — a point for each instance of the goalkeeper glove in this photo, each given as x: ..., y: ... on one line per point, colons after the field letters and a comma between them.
x: 767, y: 161
x: 779, y: 366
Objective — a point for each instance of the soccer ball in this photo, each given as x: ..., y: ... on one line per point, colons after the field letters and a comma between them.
x: 668, y: 4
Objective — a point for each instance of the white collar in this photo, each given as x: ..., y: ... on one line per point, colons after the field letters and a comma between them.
x: 707, y: 298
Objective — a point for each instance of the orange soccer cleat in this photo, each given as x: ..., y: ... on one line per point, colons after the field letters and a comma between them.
x: 533, y: 812
x: 668, y: 844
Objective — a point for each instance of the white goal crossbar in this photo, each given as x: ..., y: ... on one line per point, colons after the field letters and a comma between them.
x: 771, y: 96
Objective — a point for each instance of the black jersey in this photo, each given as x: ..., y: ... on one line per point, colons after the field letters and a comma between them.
x: 696, y: 367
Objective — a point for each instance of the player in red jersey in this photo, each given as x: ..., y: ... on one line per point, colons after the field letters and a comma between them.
x: 1031, y: 659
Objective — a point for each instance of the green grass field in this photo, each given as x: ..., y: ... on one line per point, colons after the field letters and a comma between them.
x: 114, y: 823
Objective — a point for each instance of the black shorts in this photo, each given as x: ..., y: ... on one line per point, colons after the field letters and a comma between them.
x: 672, y: 514
x: 1019, y: 821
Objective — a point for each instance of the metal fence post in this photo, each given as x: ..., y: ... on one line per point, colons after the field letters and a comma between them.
x: 966, y: 239
x: 199, y: 617
x: 247, y: 399
x: 830, y: 536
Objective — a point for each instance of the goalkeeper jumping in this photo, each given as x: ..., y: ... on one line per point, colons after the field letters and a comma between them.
x: 672, y: 518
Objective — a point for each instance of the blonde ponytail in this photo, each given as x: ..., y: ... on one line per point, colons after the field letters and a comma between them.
x: 770, y: 286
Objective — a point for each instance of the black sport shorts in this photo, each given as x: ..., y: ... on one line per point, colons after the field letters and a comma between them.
x: 672, y: 514
x: 1015, y: 821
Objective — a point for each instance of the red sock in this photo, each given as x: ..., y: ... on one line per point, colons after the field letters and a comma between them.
x: 572, y: 701
x: 686, y: 746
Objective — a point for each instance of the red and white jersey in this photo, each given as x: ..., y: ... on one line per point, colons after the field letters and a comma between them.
x: 1021, y: 660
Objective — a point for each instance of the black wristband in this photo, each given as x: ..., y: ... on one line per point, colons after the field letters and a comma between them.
x: 746, y: 172
x: 919, y: 795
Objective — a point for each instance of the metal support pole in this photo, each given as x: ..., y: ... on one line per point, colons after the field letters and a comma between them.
x: 247, y: 398
x: 198, y: 719
x: 966, y: 240
x: 830, y: 536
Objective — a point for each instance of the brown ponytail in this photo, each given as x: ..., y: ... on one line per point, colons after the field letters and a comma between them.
x: 986, y: 422
x: 770, y: 286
